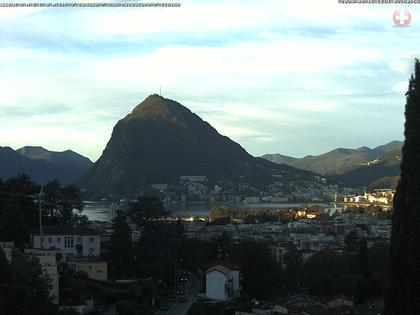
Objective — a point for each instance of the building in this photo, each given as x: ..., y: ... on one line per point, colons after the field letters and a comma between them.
x: 95, y: 269
x: 7, y: 248
x: 193, y: 178
x: 77, y: 241
x: 222, y: 282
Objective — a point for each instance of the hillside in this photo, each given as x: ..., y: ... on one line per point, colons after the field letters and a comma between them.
x: 63, y: 166
x: 65, y: 158
x: 377, y: 168
x: 337, y: 161
x: 383, y: 172
x: 279, y: 158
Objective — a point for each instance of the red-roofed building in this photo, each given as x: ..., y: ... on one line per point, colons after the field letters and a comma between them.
x: 222, y: 282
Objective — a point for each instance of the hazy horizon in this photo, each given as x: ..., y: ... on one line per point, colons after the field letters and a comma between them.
x: 342, y: 147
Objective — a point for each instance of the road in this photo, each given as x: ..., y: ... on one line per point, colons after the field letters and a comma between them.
x: 176, y: 308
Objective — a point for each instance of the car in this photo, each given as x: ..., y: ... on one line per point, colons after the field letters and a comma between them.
x: 183, y: 279
x: 172, y: 298
x: 180, y: 292
x: 182, y: 300
x: 164, y: 307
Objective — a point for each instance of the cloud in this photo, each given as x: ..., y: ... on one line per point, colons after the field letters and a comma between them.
x: 273, y: 75
x: 400, y: 87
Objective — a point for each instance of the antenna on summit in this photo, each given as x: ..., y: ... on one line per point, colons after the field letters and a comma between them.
x: 160, y: 90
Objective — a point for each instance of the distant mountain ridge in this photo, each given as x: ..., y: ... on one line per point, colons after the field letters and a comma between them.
x: 65, y: 158
x: 279, y: 158
x: 43, y: 165
x: 353, y: 167
x: 161, y: 140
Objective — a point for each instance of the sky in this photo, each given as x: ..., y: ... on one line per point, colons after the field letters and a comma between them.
x: 294, y: 77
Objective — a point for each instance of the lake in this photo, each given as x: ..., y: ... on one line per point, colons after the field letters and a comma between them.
x: 102, y: 212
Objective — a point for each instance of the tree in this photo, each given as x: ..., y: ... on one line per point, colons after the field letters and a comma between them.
x: 404, y: 293
x: 219, y: 212
x: 26, y: 288
x: 18, y: 212
x: 352, y: 241
x: 59, y: 203
x: 351, y: 285
x: 4, y: 280
x: 293, y: 261
x: 145, y: 209
x: 261, y: 273
x: 357, y: 254
x: 19, y: 207
x: 121, y: 248
x: 319, y: 271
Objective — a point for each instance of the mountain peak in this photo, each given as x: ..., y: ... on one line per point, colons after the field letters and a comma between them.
x: 162, y: 140
x: 157, y: 107
x: 31, y: 150
x: 391, y: 146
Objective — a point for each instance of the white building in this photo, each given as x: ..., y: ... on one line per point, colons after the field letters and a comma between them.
x: 7, y: 248
x: 222, y: 282
x: 78, y: 241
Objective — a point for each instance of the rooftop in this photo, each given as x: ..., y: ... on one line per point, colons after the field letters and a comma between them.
x: 65, y: 230
x: 223, y: 267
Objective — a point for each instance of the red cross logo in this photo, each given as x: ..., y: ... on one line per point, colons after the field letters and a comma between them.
x: 402, y: 18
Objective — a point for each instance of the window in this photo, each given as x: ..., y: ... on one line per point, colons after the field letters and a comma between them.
x: 91, y: 251
x: 58, y: 240
x: 91, y: 239
x: 50, y: 240
x: 79, y: 240
x: 68, y: 241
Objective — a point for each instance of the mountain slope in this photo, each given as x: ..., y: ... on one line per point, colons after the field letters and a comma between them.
x: 391, y: 146
x: 65, y: 158
x: 337, y: 161
x: 162, y: 140
x: 383, y: 172
x: 279, y: 158
x: 40, y: 170
x: 376, y: 168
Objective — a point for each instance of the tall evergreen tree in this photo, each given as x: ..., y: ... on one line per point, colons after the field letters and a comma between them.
x: 18, y: 212
x: 121, y: 248
x: 404, y: 292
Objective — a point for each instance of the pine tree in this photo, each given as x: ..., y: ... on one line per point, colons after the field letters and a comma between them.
x: 18, y: 213
x: 404, y: 290
x: 121, y: 248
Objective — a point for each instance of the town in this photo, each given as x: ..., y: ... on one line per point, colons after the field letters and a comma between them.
x: 302, y: 257
x: 201, y: 189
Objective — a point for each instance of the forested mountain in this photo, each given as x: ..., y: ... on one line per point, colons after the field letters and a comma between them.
x: 161, y: 140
